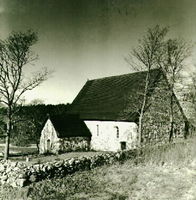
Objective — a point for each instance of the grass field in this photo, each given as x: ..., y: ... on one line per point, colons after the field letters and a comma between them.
x: 16, y: 151
x: 21, y: 153
x: 166, y: 173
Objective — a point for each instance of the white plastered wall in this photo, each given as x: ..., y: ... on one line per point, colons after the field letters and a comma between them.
x: 48, y: 133
x: 104, y: 135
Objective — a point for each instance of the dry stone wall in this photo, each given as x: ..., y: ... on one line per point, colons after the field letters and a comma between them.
x: 18, y: 174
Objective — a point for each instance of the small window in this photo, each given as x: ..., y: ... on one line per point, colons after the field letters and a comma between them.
x: 123, y: 145
x: 117, y: 131
x: 97, y: 130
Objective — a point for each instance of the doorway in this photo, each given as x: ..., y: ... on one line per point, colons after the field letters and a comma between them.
x: 123, y: 145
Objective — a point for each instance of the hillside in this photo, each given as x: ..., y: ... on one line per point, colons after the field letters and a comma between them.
x: 161, y: 173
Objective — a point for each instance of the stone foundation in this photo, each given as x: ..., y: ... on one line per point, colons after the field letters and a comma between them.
x: 74, y: 144
x: 68, y: 144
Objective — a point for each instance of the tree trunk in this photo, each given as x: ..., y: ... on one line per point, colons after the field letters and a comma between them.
x: 186, y: 123
x: 37, y: 144
x: 143, y: 108
x: 7, y: 139
x: 186, y: 129
x: 171, y: 118
x: 140, y: 130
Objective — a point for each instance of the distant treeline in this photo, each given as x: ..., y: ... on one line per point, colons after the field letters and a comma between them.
x: 29, y: 121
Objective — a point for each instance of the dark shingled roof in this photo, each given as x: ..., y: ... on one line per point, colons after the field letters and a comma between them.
x: 110, y: 98
x: 69, y: 126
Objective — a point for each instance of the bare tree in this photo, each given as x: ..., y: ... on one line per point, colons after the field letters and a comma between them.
x: 145, y: 57
x: 171, y: 61
x: 15, y: 55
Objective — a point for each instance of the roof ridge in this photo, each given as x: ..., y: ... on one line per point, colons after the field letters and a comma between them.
x: 137, y: 72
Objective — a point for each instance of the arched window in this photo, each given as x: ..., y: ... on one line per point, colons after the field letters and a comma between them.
x: 117, y: 131
x: 48, y: 144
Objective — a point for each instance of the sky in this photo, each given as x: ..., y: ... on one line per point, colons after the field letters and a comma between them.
x: 87, y: 39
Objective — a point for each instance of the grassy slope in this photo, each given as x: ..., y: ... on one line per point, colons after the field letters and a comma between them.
x: 159, y: 174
